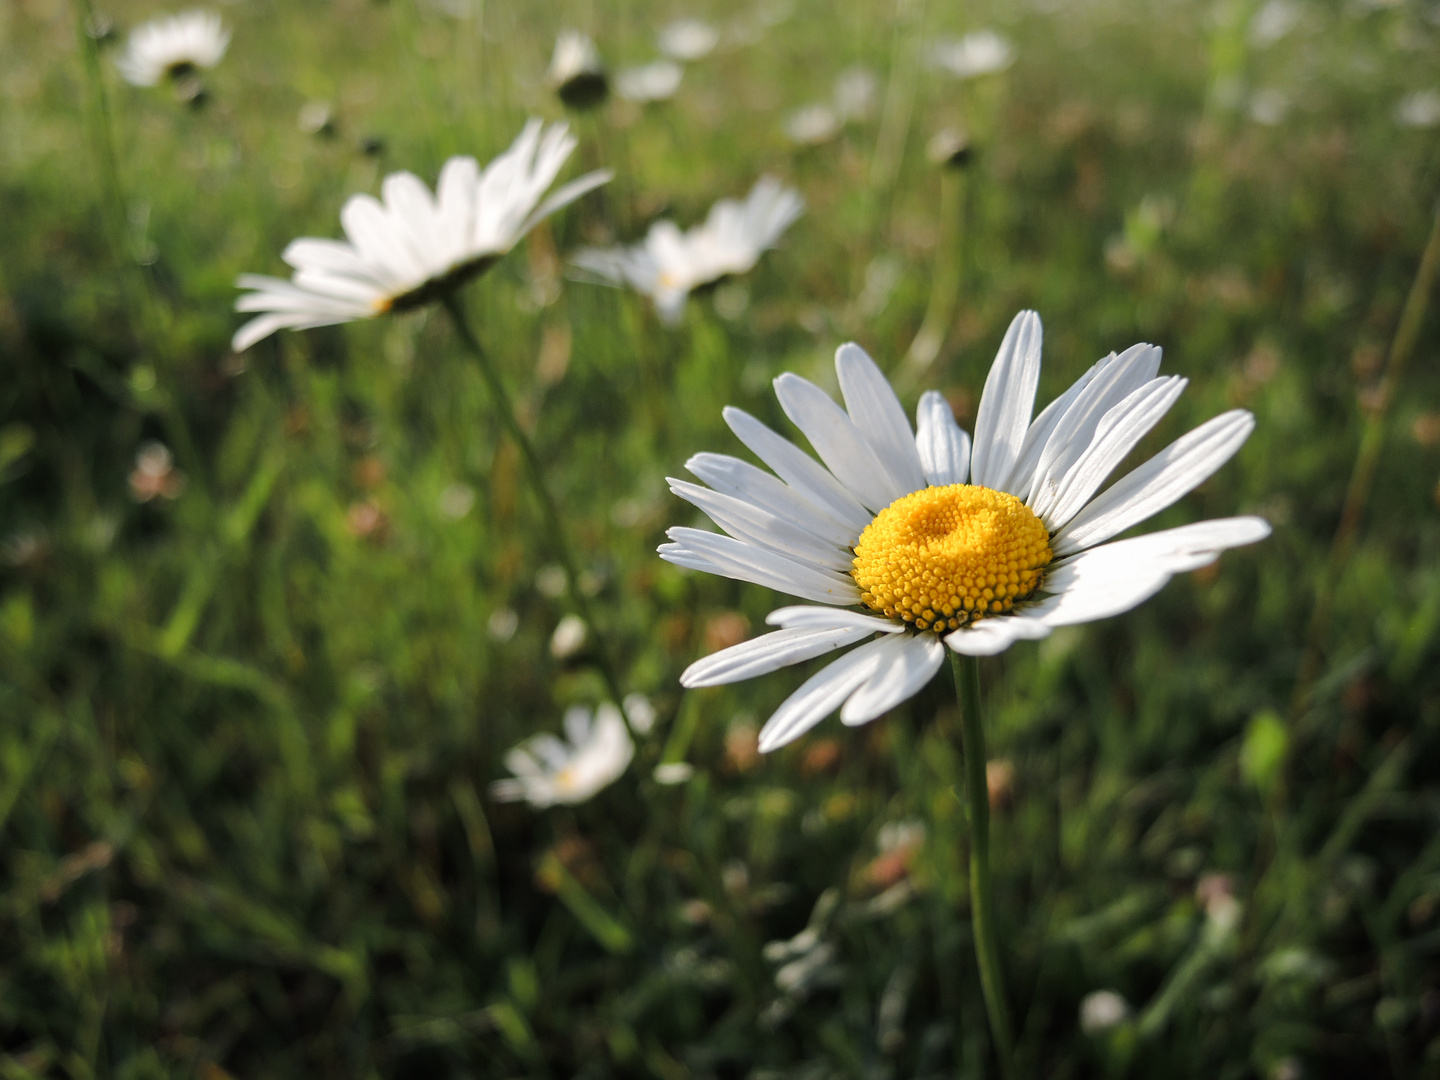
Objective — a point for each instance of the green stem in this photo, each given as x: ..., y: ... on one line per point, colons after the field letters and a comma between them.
x: 966, y: 670
x: 936, y: 324
x: 554, y: 524
x: 1362, y: 478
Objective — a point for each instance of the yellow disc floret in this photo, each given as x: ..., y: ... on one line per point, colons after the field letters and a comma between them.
x: 942, y: 557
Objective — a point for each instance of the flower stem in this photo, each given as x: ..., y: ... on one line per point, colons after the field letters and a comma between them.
x: 1362, y: 478
x: 553, y: 521
x: 966, y: 670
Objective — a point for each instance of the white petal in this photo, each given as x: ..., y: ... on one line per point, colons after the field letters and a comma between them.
x: 767, y: 653
x: 903, y: 677
x: 1038, y: 434
x: 728, y: 557
x: 1122, y: 427
x: 1007, y: 402
x: 756, y: 525
x: 991, y: 636
x: 565, y: 195
x: 1075, y: 431
x: 744, y: 481
x: 829, y: 618
x: 261, y: 328
x: 1115, y: 577
x: 1171, y: 474
x: 837, y: 440
x: 826, y: 691
x: 797, y: 468
x: 876, y: 411
x: 943, y: 446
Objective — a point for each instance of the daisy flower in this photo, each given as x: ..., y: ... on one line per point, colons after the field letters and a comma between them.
x: 655, y: 81
x: 669, y: 264
x: 688, y: 39
x: 931, y: 541
x: 811, y: 125
x: 576, y: 72
x: 172, y: 47
x: 595, y: 753
x: 410, y: 247
x: 982, y: 53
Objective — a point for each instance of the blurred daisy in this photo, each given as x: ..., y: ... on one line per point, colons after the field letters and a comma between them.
x: 595, y: 753
x: 173, y: 47
x: 688, y: 39
x: 856, y: 92
x: 928, y: 542
x: 155, y: 475
x: 982, y: 53
x: 576, y: 72
x: 656, y: 81
x: 409, y: 247
x: 669, y: 264
x: 812, y: 125
x: 1419, y: 110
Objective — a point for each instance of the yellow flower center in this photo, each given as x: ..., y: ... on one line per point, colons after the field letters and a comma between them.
x: 942, y: 557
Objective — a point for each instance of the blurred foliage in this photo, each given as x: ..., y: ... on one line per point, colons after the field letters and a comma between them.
x: 249, y: 722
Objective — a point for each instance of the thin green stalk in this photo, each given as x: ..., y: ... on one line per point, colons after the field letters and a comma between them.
x: 553, y: 521
x: 1362, y: 478
x: 966, y: 670
x: 936, y: 325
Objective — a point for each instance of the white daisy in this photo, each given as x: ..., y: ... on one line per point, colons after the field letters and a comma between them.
x: 688, y: 39
x: 576, y: 72
x: 857, y: 91
x: 811, y: 125
x: 1419, y: 110
x: 938, y: 543
x: 413, y: 247
x: 655, y: 81
x: 550, y: 771
x: 173, y: 46
x: 669, y: 264
x: 982, y: 53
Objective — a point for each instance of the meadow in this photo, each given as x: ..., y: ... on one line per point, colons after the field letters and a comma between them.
x: 255, y: 686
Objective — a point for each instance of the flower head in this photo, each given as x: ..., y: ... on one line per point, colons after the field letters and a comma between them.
x: 596, y: 751
x: 688, y: 39
x: 669, y: 264
x: 982, y: 53
x: 173, y: 46
x: 655, y: 81
x: 410, y: 247
x: 576, y: 72
x: 930, y: 541
x: 811, y: 125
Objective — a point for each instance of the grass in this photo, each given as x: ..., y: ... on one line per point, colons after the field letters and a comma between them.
x: 248, y: 730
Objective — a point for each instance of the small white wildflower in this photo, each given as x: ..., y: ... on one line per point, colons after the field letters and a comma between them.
x: 671, y: 773
x: 688, y: 39
x: 456, y: 501
x: 811, y: 125
x: 856, y: 92
x: 575, y: 71
x: 655, y: 81
x: 568, y: 638
x: 173, y: 47
x: 1102, y: 1010
x: 669, y: 263
x: 982, y: 53
x: 548, y: 771
x: 639, y: 712
x: 503, y: 624
x: 1419, y: 110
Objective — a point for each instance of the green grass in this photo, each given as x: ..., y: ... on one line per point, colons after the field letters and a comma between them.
x: 245, y: 749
